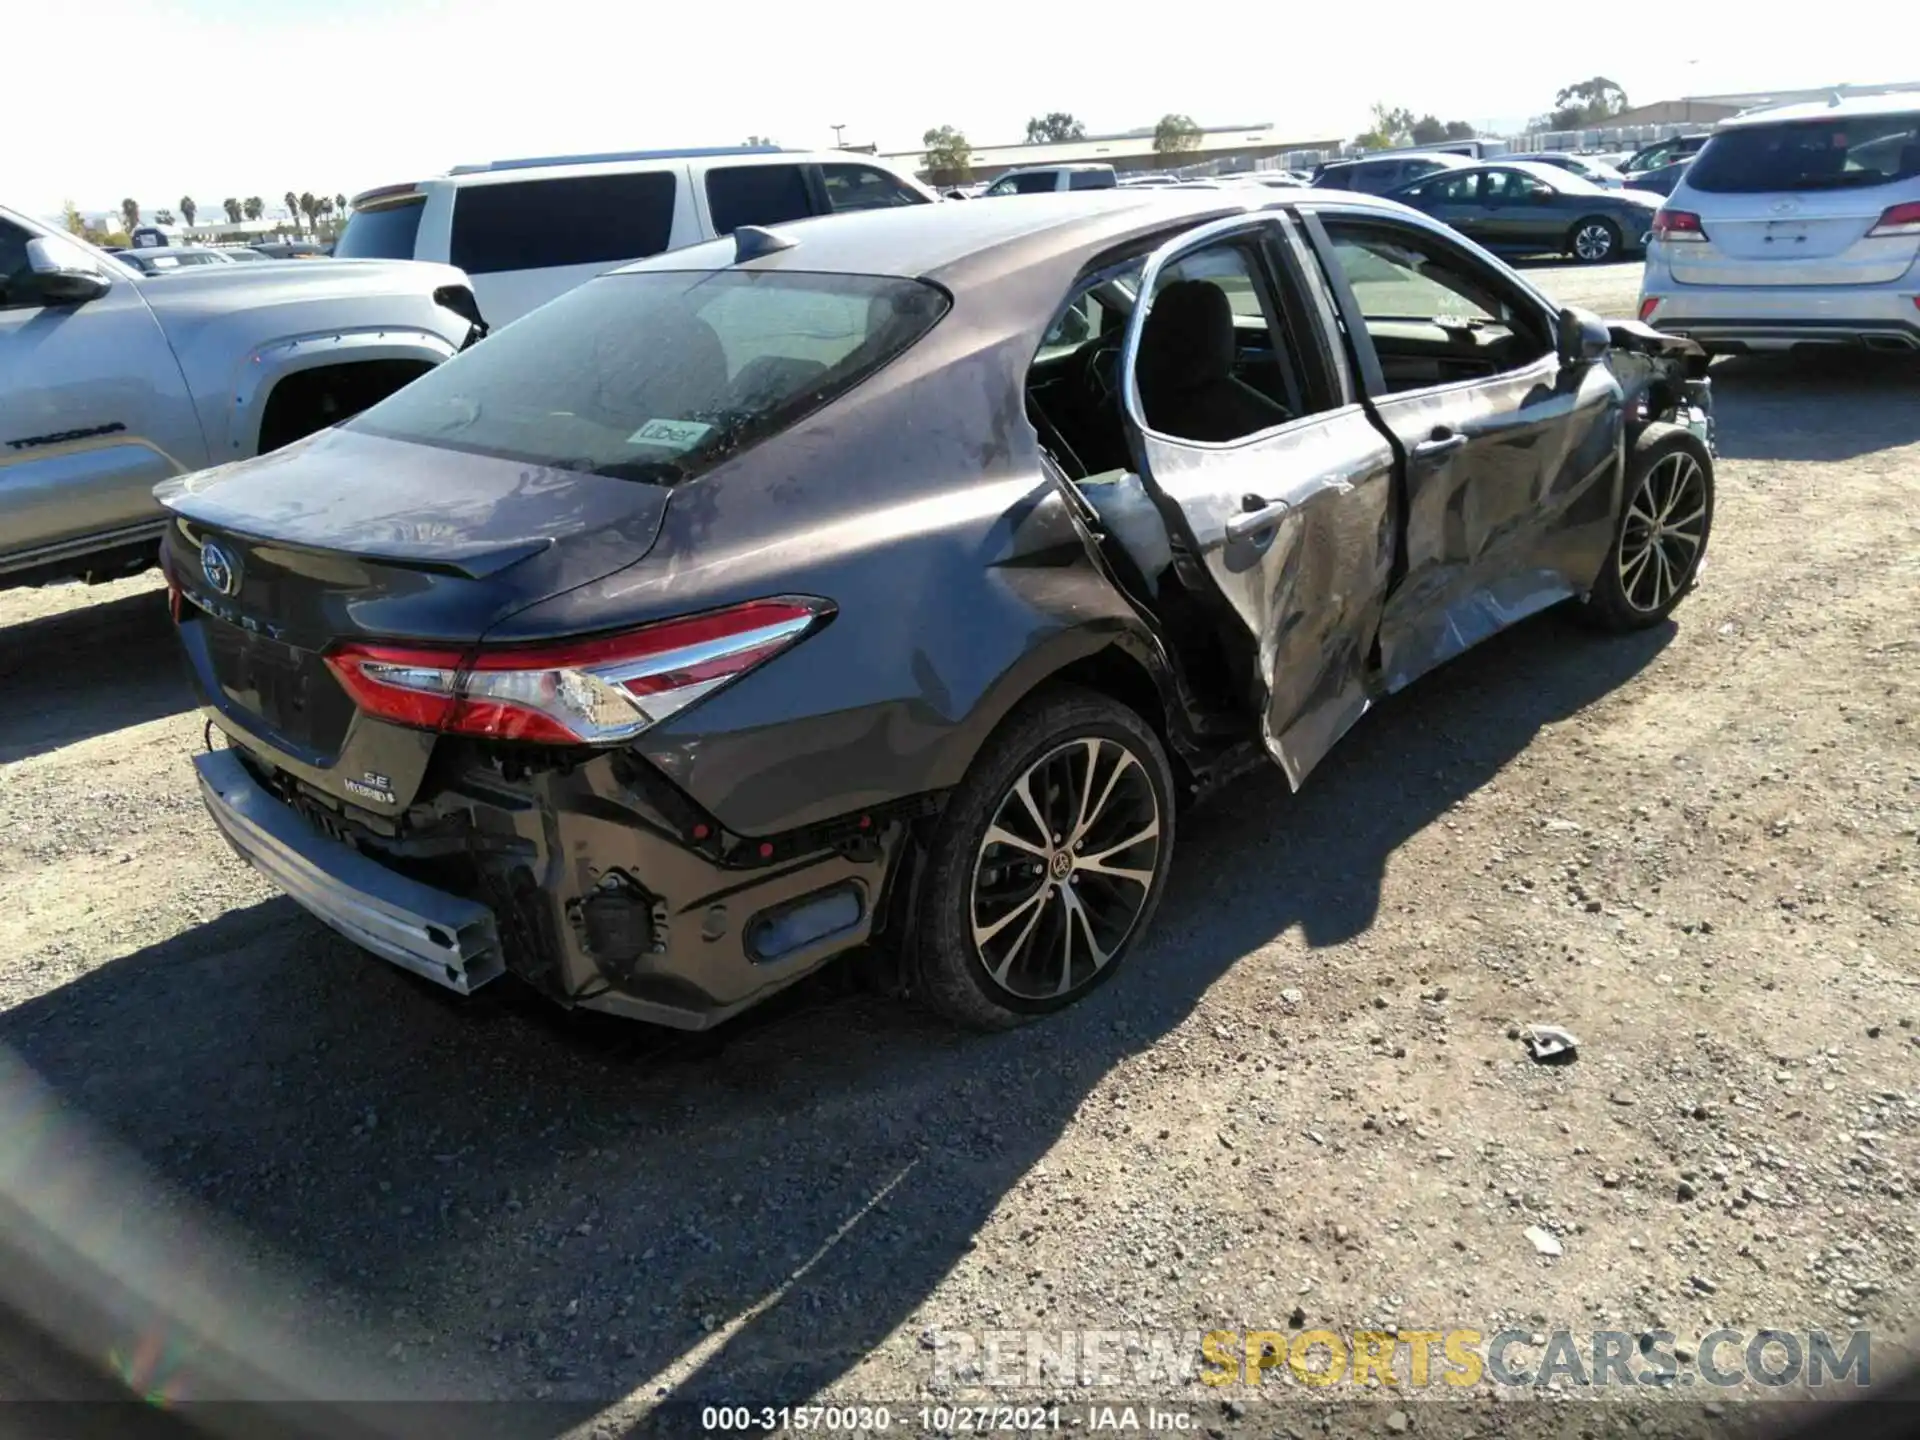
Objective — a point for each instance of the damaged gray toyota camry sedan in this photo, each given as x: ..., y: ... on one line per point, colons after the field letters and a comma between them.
x: 892, y: 580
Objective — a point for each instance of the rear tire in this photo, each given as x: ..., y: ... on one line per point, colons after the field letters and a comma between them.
x: 1595, y: 241
x: 1660, y: 539
x: 1018, y: 918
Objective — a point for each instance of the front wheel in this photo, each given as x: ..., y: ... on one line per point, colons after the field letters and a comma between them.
x: 1661, y: 537
x: 1048, y: 863
x: 1595, y: 241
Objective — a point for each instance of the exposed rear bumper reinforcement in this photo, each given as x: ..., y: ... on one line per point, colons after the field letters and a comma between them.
x: 451, y: 941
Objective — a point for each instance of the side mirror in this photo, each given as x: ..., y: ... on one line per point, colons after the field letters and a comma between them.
x: 66, y: 277
x: 1583, y: 337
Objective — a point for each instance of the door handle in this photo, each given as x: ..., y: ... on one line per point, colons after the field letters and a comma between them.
x: 1260, y: 515
x: 1443, y: 442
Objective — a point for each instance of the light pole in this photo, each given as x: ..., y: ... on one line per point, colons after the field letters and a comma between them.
x: 836, y: 129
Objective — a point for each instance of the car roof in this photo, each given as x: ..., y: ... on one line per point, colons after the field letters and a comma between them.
x: 1842, y: 108
x: 953, y: 243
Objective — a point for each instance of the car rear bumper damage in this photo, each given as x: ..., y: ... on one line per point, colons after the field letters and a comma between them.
x: 451, y: 941
x: 572, y: 877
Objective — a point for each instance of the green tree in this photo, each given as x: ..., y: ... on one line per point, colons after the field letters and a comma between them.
x: 948, y: 158
x: 1459, y: 130
x: 232, y: 207
x: 1174, y: 134
x: 254, y: 207
x: 757, y: 140
x: 1589, y: 102
x: 75, y: 222
x: 188, y: 209
x: 1391, y: 127
x: 293, y: 209
x: 130, y: 212
x: 1054, y: 127
x: 163, y: 217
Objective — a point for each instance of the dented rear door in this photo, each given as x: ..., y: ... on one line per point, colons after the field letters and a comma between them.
x: 1293, y: 525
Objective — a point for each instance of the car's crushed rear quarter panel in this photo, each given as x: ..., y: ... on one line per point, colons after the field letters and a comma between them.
x: 919, y: 507
x: 633, y: 880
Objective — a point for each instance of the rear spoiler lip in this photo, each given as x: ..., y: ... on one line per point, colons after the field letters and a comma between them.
x: 380, y: 194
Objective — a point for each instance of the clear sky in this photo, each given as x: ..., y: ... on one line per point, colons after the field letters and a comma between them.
x: 160, y: 98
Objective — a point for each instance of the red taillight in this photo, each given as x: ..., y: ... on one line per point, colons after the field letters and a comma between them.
x: 1677, y: 225
x: 1648, y: 305
x: 597, y: 691
x: 1898, y: 220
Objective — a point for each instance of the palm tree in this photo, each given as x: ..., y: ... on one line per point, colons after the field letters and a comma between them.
x: 293, y: 209
x: 188, y: 209
x: 311, y: 209
x: 163, y: 217
x: 130, y: 212
x: 254, y: 207
x: 325, y: 206
x: 340, y: 206
x: 232, y: 207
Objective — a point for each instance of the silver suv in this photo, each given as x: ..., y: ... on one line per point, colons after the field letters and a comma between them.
x: 1795, y: 225
x: 111, y: 381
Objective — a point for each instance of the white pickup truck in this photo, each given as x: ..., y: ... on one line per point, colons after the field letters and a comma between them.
x: 111, y: 381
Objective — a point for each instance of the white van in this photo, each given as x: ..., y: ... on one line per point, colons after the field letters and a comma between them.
x: 528, y: 230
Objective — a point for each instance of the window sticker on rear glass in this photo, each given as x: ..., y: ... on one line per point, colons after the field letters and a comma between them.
x: 673, y: 435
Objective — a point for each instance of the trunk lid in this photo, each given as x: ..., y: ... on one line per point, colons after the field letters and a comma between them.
x: 347, y: 536
x: 1810, y: 238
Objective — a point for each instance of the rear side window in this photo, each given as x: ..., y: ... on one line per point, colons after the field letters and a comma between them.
x: 1090, y: 180
x: 382, y: 232
x: 536, y: 224
x: 1836, y: 154
x: 756, y: 195
x: 861, y: 187
x: 660, y: 375
x: 1340, y: 179
x: 1038, y: 183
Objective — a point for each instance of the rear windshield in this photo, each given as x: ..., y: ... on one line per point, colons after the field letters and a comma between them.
x: 1832, y: 154
x: 381, y: 232
x: 661, y: 375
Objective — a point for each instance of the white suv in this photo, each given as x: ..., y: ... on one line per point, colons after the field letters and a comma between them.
x: 1795, y: 225
x: 526, y: 231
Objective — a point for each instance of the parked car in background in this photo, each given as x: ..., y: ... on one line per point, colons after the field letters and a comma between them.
x: 1662, y: 181
x: 1662, y: 153
x: 1524, y: 208
x: 1587, y: 167
x: 763, y: 599
x: 297, y: 250
x: 1046, y: 179
x: 1796, y: 225
x: 161, y: 259
x: 111, y: 381
x: 1378, y: 174
x: 528, y: 230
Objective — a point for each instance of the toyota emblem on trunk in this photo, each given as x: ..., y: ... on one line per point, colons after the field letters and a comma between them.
x: 220, y: 568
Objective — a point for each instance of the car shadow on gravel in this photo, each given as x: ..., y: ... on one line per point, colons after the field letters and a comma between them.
x: 1815, y: 405
x: 525, y: 1204
x: 89, y: 671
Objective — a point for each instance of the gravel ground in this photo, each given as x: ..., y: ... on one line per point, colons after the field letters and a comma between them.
x: 1304, y: 1106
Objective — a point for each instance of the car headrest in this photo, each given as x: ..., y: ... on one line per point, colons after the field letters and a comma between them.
x: 1188, y: 340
